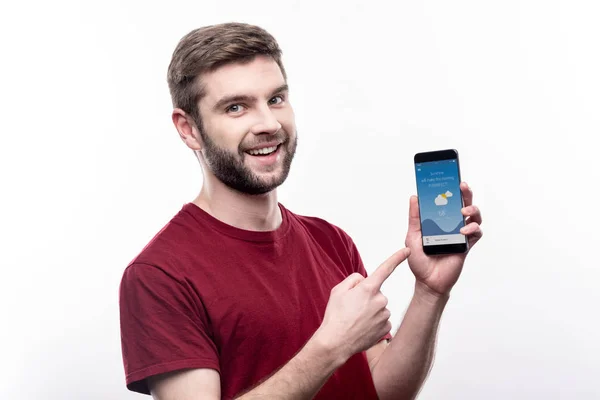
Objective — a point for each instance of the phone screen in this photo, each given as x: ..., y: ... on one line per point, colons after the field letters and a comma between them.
x: 440, y: 202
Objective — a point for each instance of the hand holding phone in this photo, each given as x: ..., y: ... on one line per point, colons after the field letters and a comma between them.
x: 440, y: 202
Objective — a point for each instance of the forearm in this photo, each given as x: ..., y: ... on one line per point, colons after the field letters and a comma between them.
x: 303, y: 376
x: 403, y: 366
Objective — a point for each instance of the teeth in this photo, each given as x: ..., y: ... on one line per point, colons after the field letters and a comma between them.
x: 266, y: 150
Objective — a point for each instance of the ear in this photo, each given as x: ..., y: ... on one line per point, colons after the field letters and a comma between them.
x: 187, y: 129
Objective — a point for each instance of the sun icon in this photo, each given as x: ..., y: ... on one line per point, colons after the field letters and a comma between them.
x: 442, y: 199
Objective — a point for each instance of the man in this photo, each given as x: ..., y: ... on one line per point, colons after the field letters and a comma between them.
x: 238, y: 297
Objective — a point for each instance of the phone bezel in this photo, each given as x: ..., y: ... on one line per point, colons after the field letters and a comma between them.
x: 440, y: 155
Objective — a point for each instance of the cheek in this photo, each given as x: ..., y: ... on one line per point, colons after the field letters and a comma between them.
x: 226, y: 133
x: 288, y: 122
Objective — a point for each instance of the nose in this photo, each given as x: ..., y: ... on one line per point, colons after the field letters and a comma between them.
x: 266, y: 123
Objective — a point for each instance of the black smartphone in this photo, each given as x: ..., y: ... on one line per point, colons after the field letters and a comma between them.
x: 440, y: 202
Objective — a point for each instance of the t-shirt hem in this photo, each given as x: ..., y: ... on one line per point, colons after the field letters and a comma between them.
x: 135, y: 381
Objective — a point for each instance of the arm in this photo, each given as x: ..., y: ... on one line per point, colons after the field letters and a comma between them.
x: 400, y: 371
x: 301, y: 378
x: 355, y: 319
x: 304, y: 375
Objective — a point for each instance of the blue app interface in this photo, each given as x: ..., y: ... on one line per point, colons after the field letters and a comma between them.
x: 440, y: 202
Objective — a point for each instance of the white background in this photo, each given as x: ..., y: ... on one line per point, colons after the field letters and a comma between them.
x: 91, y: 167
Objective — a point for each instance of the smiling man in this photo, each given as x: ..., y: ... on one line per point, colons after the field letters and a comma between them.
x: 239, y: 297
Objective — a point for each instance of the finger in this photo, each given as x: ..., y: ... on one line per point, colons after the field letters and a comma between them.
x: 386, y: 314
x: 348, y: 283
x: 474, y: 214
x: 414, y: 224
x: 376, y: 279
x: 381, y: 300
x: 467, y: 194
x: 474, y: 238
x: 470, y: 228
x: 473, y: 232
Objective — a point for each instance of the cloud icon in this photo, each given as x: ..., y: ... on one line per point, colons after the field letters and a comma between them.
x: 442, y: 199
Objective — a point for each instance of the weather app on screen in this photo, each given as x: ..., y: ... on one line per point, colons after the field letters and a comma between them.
x: 440, y: 202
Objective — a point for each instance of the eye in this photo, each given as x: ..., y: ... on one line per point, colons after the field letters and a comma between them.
x: 276, y: 100
x: 234, y: 108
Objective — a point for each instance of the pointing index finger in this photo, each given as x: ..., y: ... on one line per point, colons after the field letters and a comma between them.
x: 384, y: 271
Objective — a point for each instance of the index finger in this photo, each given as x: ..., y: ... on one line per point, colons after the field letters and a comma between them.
x: 383, y: 272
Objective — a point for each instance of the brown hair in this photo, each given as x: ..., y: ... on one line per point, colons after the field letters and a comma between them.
x: 206, y: 49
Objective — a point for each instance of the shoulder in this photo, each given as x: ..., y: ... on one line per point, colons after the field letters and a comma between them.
x: 170, y: 243
x: 332, y: 239
x: 322, y: 229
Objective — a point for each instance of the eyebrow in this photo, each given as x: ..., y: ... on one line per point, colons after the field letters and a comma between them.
x: 244, y: 98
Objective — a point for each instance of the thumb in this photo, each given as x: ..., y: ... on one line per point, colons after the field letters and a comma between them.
x: 414, y: 224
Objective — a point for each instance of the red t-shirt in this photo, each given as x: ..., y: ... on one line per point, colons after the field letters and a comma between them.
x: 204, y: 294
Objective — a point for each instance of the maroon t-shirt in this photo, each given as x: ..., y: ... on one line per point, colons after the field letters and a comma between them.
x: 204, y: 294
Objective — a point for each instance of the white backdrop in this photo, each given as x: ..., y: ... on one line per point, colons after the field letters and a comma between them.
x: 91, y: 168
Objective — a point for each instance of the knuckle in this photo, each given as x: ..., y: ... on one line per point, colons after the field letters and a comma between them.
x: 383, y: 301
x: 366, y: 286
x: 387, y: 314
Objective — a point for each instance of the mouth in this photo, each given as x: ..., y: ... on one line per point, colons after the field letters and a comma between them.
x: 264, y: 151
x: 266, y: 156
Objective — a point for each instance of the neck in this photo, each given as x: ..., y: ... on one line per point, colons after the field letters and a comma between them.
x: 244, y: 211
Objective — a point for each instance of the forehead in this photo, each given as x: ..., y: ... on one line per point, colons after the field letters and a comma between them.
x: 257, y: 77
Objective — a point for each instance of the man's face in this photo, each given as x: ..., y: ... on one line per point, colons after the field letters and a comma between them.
x: 248, y: 127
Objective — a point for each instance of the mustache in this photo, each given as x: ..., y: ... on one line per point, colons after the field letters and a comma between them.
x: 280, y: 136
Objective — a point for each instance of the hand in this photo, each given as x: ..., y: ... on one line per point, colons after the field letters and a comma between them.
x: 440, y: 273
x: 356, y: 316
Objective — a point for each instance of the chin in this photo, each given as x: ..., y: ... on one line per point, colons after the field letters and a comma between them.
x: 275, y: 178
x: 273, y: 181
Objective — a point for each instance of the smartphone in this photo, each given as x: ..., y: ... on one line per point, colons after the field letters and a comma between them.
x: 440, y: 202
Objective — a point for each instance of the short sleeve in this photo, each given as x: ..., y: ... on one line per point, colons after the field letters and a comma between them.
x: 164, y: 326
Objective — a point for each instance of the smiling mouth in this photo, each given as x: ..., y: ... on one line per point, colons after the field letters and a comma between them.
x: 264, y: 151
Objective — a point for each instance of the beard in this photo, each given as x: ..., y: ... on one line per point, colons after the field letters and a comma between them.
x: 229, y: 167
